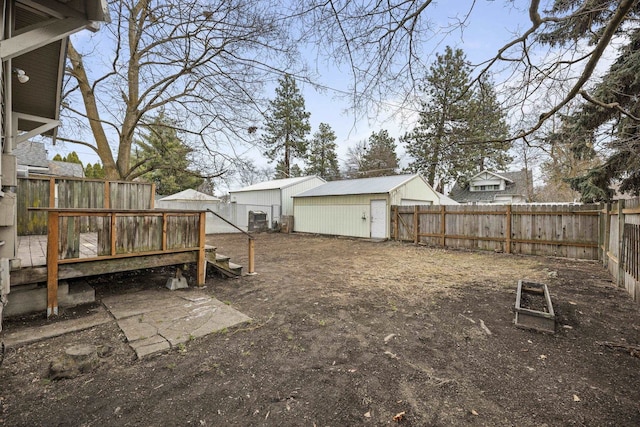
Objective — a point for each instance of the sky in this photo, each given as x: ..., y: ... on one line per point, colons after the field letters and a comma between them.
x: 491, y: 24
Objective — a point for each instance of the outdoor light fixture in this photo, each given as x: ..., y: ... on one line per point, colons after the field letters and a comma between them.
x: 22, y: 76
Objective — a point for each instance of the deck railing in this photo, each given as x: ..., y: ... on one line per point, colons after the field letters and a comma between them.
x: 250, y: 238
x: 119, y: 235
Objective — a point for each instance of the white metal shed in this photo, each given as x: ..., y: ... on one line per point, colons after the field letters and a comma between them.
x: 359, y: 207
x: 272, y: 197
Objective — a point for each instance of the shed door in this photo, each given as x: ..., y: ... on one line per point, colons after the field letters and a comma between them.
x: 378, y: 219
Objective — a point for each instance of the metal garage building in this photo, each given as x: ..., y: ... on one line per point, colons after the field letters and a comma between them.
x: 360, y: 207
x: 271, y: 197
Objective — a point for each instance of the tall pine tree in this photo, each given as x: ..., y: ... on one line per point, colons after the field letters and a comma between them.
x: 380, y: 158
x: 287, y: 126
x: 459, y: 131
x: 488, y: 130
x: 323, y: 159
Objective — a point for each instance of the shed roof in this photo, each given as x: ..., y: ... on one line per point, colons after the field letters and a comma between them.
x: 190, y: 194
x: 276, y: 184
x: 377, y: 185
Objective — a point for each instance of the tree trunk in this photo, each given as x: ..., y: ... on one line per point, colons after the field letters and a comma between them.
x: 102, y: 143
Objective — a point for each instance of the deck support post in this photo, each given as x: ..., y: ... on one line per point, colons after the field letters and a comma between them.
x: 52, y: 264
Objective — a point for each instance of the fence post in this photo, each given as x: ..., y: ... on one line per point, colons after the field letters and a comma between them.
x: 52, y: 263
x: 202, y: 260
x: 153, y: 193
x: 507, y: 241
x: 443, y: 225
x: 395, y: 222
x: 621, y: 220
x: 252, y: 248
x: 416, y: 225
x: 606, y: 229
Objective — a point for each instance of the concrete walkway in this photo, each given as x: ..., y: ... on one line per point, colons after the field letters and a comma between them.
x: 158, y: 320
x: 153, y: 320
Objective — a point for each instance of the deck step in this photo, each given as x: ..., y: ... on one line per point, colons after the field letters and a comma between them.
x: 222, y: 263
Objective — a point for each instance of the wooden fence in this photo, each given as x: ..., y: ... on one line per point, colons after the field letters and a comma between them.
x: 75, y: 193
x: 620, y: 243
x: 610, y: 233
x: 548, y: 230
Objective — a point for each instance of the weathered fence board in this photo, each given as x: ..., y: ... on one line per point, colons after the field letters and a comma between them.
x: 32, y: 193
x: 620, y: 243
x: 565, y: 231
x: 63, y: 193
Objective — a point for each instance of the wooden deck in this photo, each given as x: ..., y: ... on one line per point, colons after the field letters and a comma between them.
x: 89, y: 242
x: 32, y: 250
x: 82, y: 242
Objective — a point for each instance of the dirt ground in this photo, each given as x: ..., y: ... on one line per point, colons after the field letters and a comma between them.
x: 350, y: 332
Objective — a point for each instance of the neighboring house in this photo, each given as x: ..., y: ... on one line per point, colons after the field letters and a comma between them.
x: 271, y: 197
x: 488, y: 187
x: 360, y: 207
x: 32, y: 159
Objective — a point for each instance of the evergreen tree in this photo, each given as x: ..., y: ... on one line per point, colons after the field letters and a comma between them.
x: 72, y: 157
x: 69, y: 158
x: 94, y: 171
x: 437, y: 144
x: 98, y: 171
x: 322, y: 159
x: 287, y: 125
x: 294, y: 171
x: 611, y: 113
x: 380, y: 158
x: 488, y: 131
x: 460, y: 131
x: 165, y: 158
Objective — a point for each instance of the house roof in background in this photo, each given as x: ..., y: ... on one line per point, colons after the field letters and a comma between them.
x: 191, y: 195
x: 276, y: 184
x: 377, y: 185
x: 58, y: 168
x: 503, y: 175
x: 516, y: 187
x: 30, y: 153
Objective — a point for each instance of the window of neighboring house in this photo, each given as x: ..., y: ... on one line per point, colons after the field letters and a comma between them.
x: 494, y: 187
